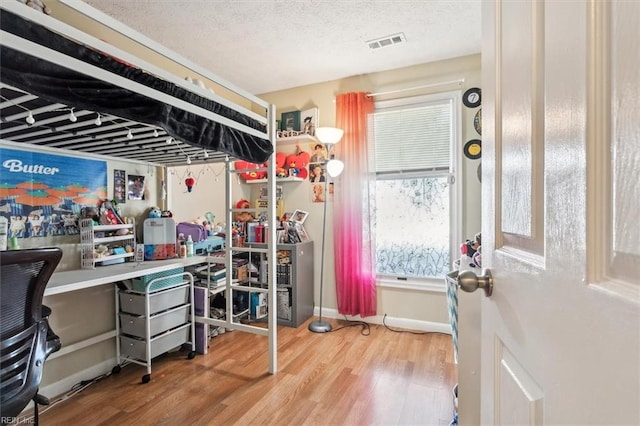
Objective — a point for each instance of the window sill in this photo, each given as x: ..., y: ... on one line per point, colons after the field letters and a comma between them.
x: 427, y: 285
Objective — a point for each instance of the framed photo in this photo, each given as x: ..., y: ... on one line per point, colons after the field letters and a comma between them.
x: 291, y: 121
x: 119, y: 186
x: 302, y: 233
x: 309, y: 120
x: 135, y: 187
x: 299, y: 216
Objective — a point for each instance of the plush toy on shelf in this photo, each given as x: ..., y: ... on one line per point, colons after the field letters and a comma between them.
x: 281, y: 172
x: 251, y: 173
x: 243, y: 216
x: 296, y: 164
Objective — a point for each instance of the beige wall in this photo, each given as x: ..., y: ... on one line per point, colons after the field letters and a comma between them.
x: 400, y: 303
x: 208, y: 194
x: 83, y: 314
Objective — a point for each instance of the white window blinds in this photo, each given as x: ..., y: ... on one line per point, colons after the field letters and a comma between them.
x: 415, y: 137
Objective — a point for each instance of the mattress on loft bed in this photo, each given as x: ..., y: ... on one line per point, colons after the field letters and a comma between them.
x: 57, y: 83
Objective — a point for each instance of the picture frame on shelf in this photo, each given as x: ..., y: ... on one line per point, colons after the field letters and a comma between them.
x: 299, y: 216
x: 291, y: 121
x: 309, y: 120
x: 302, y: 233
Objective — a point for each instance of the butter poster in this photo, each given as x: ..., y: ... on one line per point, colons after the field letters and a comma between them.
x: 42, y: 194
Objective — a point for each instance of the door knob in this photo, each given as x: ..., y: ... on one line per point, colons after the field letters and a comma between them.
x: 470, y: 282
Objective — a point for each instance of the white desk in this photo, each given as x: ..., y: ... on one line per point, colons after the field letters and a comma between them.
x: 62, y: 282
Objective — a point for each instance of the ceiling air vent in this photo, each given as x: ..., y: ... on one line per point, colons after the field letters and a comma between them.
x: 386, y: 41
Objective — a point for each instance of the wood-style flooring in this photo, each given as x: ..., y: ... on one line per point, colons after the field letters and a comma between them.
x: 340, y: 378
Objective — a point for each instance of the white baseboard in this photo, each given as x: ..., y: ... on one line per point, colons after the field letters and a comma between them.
x: 395, y: 322
x: 59, y: 388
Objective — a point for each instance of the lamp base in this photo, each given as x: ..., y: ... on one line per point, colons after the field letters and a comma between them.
x: 319, y: 326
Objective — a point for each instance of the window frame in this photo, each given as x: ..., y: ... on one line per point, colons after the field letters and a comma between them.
x: 456, y: 202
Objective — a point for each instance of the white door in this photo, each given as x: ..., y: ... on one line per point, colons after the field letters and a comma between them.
x: 561, y: 213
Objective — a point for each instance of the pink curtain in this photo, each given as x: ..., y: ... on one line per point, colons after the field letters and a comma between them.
x: 353, y: 240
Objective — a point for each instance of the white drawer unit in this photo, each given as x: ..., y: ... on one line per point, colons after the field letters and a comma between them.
x: 136, y: 348
x: 151, y: 323
x: 134, y: 302
x: 136, y: 325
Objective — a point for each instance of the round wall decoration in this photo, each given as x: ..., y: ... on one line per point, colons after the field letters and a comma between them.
x: 479, y: 172
x: 472, y: 97
x: 473, y: 149
x: 477, y: 121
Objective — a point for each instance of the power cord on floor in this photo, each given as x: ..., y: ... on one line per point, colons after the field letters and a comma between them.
x: 408, y: 331
x: 366, y: 330
x: 75, y: 389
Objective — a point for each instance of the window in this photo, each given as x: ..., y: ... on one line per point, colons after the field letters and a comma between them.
x: 415, y: 221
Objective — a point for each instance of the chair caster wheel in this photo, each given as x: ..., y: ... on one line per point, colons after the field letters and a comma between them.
x: 116, y: 369
x: 146, y: 378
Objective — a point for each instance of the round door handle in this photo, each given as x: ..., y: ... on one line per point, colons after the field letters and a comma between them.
x: 470, y: 282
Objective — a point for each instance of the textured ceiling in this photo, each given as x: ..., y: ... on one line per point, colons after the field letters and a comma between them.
x: 268, y: 45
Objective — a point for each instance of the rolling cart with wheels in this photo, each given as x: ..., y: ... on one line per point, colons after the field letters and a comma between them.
x: 153, y: 317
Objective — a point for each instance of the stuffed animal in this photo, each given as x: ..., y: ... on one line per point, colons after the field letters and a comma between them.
x: 100, y: 251
x: 251, y: 174
x: 155, y: 213
x: 296, y: 163
x: 243, y: 216
x: 281, y: 172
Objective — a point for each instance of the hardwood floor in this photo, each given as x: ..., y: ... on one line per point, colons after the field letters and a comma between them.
x: 338, y: 378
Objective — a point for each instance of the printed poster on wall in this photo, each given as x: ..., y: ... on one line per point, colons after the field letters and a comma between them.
x: 43, y: 194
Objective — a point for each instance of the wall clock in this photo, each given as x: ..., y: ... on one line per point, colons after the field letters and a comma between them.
x: 477, y: 121
x: 472, y: 97
x: 473, y: 149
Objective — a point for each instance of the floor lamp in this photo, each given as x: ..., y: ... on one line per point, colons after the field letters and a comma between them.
x: 329, y: 136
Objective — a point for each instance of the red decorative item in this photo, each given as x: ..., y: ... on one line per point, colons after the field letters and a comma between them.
x: 189, y: 182
x: 250, y: 174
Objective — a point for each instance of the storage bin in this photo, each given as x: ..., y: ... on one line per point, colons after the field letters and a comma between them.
x: 140, y: 284
x: 162, y: 300
x: 135, y: 325
x: 131, y: 347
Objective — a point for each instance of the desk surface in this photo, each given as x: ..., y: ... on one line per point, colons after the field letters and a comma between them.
x: 62, y: 282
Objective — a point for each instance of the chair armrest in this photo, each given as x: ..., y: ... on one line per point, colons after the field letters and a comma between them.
x: 53, y: 340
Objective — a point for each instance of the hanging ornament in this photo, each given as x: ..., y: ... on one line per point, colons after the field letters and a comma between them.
x: 189, y: 181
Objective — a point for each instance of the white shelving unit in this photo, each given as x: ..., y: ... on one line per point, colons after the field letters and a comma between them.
x: 278, y: 180
x: 92, y: 236
x: 290, y: 140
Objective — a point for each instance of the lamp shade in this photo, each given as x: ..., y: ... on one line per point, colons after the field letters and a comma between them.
x: 334, y: 167
x: 329, y: 135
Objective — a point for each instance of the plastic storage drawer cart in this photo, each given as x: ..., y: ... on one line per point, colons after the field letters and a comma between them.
x: 155, y: 318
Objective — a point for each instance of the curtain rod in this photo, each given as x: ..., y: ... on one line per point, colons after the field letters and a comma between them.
x: 426, y: 86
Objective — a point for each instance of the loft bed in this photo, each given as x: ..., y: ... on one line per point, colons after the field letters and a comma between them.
x: 127, y: 108
x: 93, y: 78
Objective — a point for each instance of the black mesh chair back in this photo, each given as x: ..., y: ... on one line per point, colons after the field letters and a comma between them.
x: 25, y: 337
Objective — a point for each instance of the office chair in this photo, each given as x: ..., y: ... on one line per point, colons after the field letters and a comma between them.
x: 26, y: 340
